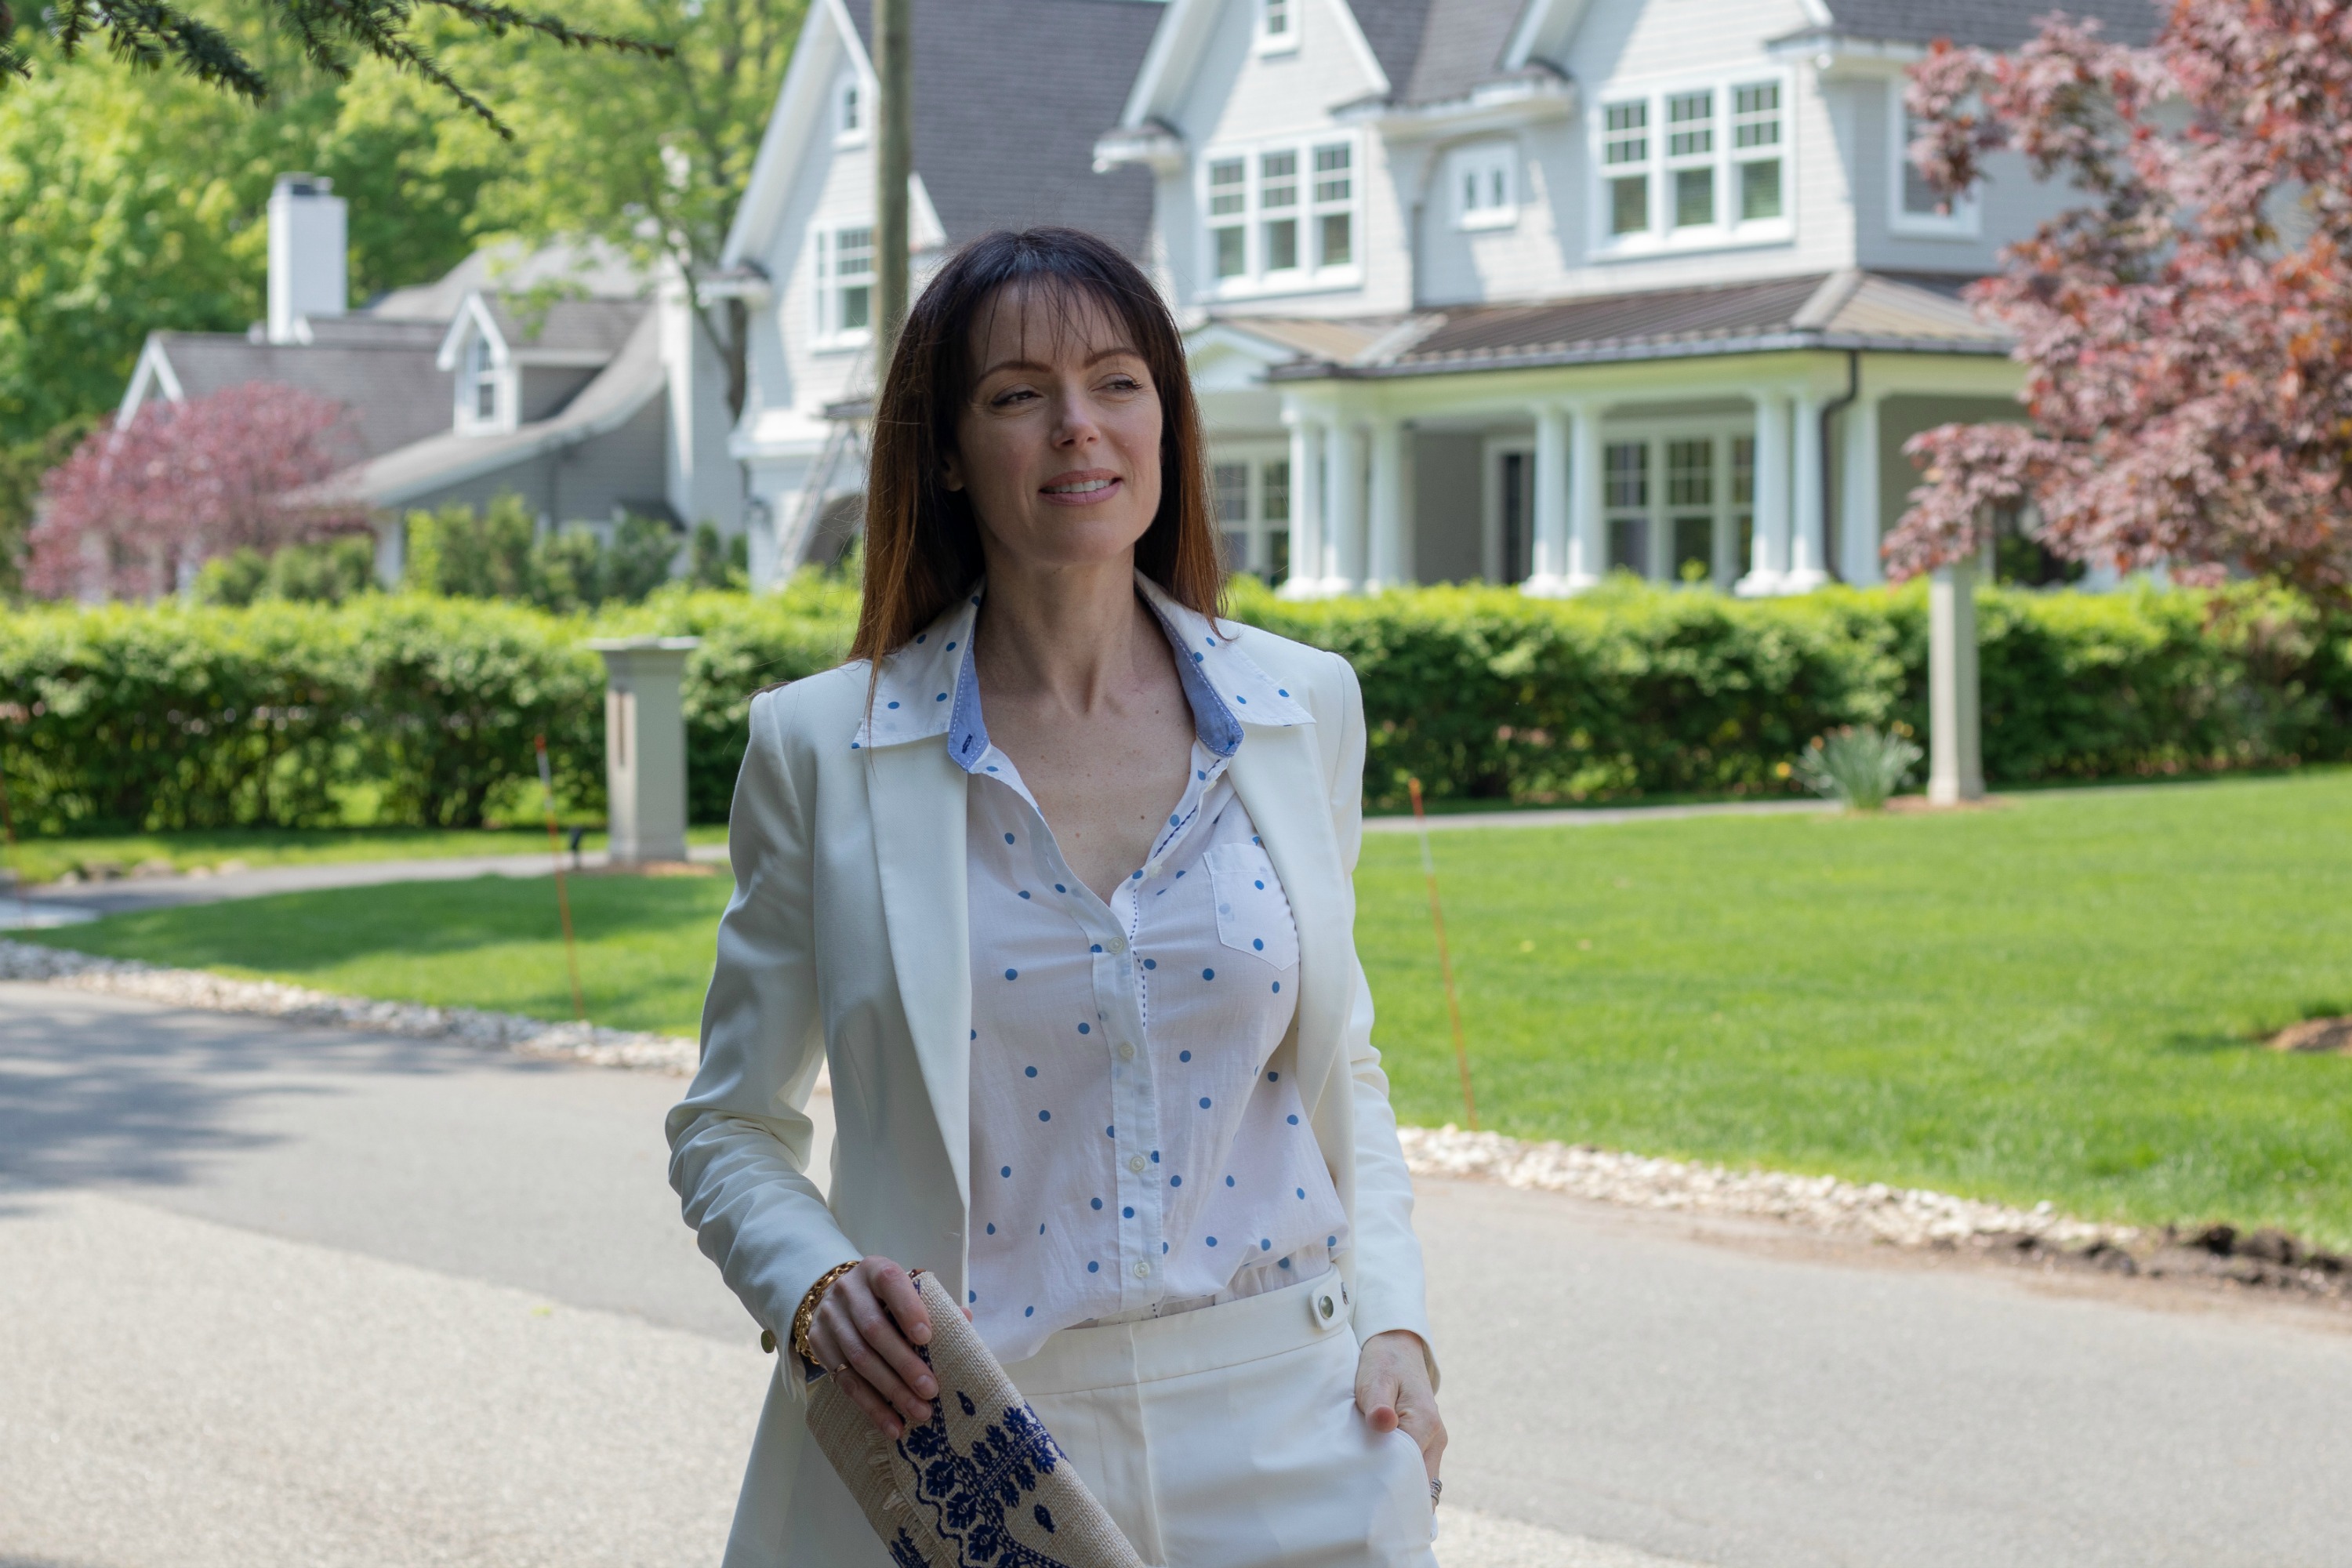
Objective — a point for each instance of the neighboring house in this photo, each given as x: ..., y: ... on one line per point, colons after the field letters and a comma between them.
x: 564, y: 376
x: 1520, y: 290
x: 1008, y: 98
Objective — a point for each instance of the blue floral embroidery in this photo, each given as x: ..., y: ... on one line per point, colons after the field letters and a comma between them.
x: 969, y: 1495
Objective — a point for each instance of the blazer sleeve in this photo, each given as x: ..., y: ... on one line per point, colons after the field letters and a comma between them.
x: 741, y: 1140
x: 1391, y: 1292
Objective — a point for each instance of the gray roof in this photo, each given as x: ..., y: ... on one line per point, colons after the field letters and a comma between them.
x: 362, y: 332
x: 1437, y: 51
x: 446, y: 458
x: 395, y: 392
x: 1006, y: 120
x: 1888, y: 312
x: 1987, y: 24
x: 567, y: 327
x: 592, y: 268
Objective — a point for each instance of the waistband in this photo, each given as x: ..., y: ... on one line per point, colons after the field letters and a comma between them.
x: 1230, y: 1333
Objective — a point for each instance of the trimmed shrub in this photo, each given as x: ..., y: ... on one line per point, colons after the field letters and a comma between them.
x: 424, y: 708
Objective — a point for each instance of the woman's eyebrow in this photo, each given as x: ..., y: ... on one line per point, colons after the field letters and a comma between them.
x: 1092, y: 360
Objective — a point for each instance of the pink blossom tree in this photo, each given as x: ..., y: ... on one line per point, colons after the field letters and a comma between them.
x: 135, y: 510
x: 2187, y: 328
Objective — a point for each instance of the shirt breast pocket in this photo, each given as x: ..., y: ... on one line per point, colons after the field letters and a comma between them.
x: 1253, y: 913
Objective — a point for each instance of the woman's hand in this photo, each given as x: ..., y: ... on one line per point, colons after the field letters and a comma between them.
x: 865, y: 1331
x: 1392, y: 1391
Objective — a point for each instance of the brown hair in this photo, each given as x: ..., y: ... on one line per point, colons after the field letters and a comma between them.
x: 922, y: 542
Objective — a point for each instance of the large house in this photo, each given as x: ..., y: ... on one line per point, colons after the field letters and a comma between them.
x: 561, y: 375
x: 1519, y: 291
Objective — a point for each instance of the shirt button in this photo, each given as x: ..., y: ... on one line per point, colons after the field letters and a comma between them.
x: 1127, y: 1050
x: 1135, y: 1163
x: 1116, y: 945
x: 1143, y: 1271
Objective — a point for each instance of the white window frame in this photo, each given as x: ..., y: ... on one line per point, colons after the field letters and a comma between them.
x: 826, y: 288
x: 1311, y: 274
x: 1660, y: 164
x: 851, y: 103
x: 1256, y: 526
x: 477, y: 369
x: 1482, y: 180
x: 1965, y: 221
x: 1289, y: 13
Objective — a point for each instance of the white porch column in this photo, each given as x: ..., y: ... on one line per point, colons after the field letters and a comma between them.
x: 1587, y: 541
x: 1343, y: 519
x: 1808, y: 547
x: 1385, y: 566
x: 1307, y: 434
x: 1770, y: 565
x: 1547, y: 561
x: 1858, y: 523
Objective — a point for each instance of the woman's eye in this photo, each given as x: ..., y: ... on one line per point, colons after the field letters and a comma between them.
x: 1010, y: 396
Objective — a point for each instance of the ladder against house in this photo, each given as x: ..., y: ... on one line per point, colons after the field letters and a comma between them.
x: 800, y: 529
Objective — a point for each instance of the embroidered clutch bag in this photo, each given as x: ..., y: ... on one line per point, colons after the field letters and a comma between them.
x: 981, y: 1485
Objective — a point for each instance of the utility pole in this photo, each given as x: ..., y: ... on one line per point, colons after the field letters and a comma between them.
x: 894, y: 164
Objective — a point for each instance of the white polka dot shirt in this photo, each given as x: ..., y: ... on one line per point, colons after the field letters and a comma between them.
x: 1136, y: 1143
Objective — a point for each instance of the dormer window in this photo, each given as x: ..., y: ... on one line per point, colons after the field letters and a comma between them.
x: 481, y: 381
x: 1484, y: 181
x: 1920, y: 210
x: 1691, y: 165
x: 1278, y: 26
x: 1280, y: 218
x: 849, y: 112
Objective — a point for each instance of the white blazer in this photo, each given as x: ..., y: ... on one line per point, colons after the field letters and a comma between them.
x: 846, y: 944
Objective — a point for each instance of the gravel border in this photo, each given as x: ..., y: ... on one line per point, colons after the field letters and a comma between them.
x: 1902, y: 1215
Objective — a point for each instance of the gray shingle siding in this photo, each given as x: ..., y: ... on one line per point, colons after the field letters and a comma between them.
x: 1008, y: 98
x: 396, y: 394
x: 1987, y: 24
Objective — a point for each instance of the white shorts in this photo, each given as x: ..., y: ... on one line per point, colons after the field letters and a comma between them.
x: 1229, y: 1438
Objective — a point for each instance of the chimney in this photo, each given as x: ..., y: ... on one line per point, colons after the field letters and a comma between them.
x: 308, y: 271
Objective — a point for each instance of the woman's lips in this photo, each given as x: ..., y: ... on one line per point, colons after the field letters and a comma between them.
x: 1091, y: 490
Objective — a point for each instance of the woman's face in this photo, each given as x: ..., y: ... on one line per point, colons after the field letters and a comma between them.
x: 1059, y: 443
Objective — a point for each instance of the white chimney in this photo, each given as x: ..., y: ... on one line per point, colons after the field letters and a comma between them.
x: 308, y: 271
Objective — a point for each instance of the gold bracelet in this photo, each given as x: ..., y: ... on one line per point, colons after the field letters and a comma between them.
x: 802, y: 1319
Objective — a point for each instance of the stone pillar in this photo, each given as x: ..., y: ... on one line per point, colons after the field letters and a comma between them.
x: 1386, y: 565
x: 644, y: 746
x: 1955, y: 734
x: 1343, y: 518
x: 1770, y: 565
x: 1306, y: 432
x: 1588, y: 531
x: 1858, y: 523
x: 1808, y: 502
x: 1548, y: 558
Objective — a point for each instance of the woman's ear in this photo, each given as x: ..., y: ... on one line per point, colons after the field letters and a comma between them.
x: 952, y: 471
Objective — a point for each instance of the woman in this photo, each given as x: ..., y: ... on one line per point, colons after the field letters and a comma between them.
x: 1057, y: 877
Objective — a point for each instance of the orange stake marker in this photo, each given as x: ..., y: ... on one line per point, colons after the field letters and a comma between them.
x: 563, y: 899
x: 1444, y: 958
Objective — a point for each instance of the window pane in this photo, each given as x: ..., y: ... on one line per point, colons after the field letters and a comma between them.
x: 486, y: 397
x: 857, y: 307
x: 1338, y: 236
x: 1332, y: 166
x: 1629, y: 204
x: 1274, y: 482
x: 1236, y: 551
x: 1277, y: 557
x: 1690, y: 124
x: 1278, y: 176
x: 1693, y: 543
x: 1690, y: 473
x: 1629, y: 545
x: 1694, y: 196
x: 1277, y: 18
x: 1625, y: 126
x: 1225, y: 187
x: 1232, y: 253
x: 853, y: 253
x: 1743, y: 471
x: 1282, y: 245
x: 1500, y: 180
x: 1756, y: 115
x: 1920, y: 199
x: 1625, y: 473
x: 1230, y: 481
x: 1759, y: 189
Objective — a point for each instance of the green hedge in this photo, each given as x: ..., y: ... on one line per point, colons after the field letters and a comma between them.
x: 412, y: 709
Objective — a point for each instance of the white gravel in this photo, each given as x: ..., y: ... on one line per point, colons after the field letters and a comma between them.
x: 1906, y: 1217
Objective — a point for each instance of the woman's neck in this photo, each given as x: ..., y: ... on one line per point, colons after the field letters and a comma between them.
x: 1065, y: 636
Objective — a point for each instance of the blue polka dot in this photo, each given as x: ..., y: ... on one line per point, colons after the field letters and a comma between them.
x: 991, y: 767
x: 1059, y: 889
x: 1008, y: 838
x: 1204, y: 1102
x: 1229, y: 1181
x: 1302, y: 1192
x: 1012, y: 974
x: 1163, y: 1248
x: 1240, y: 698
x: 1200, y: 773
x: 1256, y: 941
x: 1110, y: 1131
x: 1293, y: 1122
x: 1127, y: 1213
x: 1183, y: 1055
x: 975, y: 1034
x: 1180, y: 876
x: 852, y: 745
x: 1273, y: 1077
x: 1097, y: 948
x: 1024, y: 894
x: 1150, y: 964
x: 1041, y: 1230
x: 1085, y: 1029
x: 1134, y: 875
x: 1196, y: 658
x: 1278, y: 691
x: 1155, y: 1156
x: 1213, y: 1241
x: 950, y: 648
x: 1211, y: 641
x: 1264, y: 1244
x: 971, y: 1295
x: 894, y: 705
x: 942, y: 697
x: 1045, y: 1116
x: 1032, y: 1311
x: 1208, y: 975
x: 1096, y: 1201
x: 919, y: 636
x: 1175, y: 1180
x: 992, y: 1227
x: 1004, y: 1171
x: 1093, y: 1267
x: 1173, y: 821
x: 1261, y: 887
x: 1283, y: 1263
x: 1029, y: 1072
x: 1330, y: 1241
x: 1277, y: 986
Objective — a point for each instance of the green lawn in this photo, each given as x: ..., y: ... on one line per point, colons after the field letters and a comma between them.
x: 44, y: 859
x: 2055, y: 999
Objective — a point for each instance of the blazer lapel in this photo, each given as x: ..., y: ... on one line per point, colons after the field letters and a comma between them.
x: 1275, y: 775
x: 917, y: 796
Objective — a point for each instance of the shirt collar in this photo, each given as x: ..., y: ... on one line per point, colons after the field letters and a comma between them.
x: 929, y: 687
